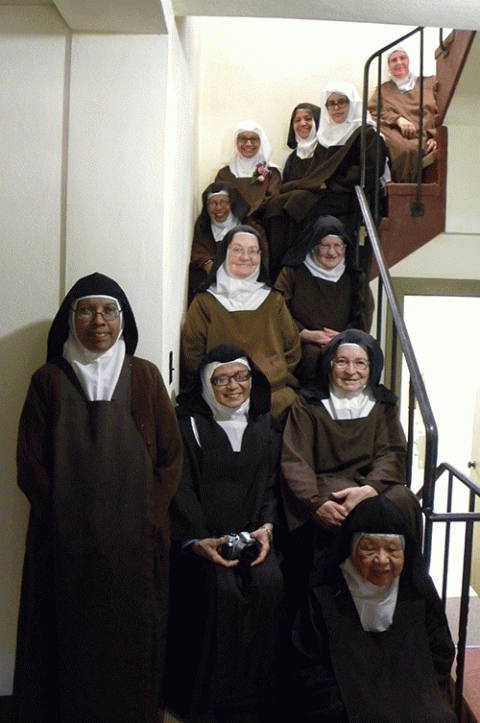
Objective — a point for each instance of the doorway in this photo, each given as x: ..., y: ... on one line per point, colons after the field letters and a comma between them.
x: 441, y: 318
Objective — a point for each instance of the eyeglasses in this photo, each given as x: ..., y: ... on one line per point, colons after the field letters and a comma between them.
x: 222, y: 203
x: 239, y: 251
x: 340, y: 103
x: 359, y: 364
x: 87, y: 313
x: 238, y: 377
x: 246, y: 139
x: 321, y: 248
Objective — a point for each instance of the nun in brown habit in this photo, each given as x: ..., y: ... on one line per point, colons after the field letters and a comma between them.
x: 99, y: 458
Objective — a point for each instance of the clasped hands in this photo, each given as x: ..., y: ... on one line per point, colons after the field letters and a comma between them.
x: 334, y: 511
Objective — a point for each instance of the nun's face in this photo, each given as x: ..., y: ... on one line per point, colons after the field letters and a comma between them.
x: 337, y: 107
x: 248, y: 144
x: 218, y: 207
x: 95, y: 332
x: 302, y: 123
x: 398, y: 64
x: 231, y: 384
x: 379, y: 559
x: 243, y: 255
x: 350, y: 368
x: 329, y: 252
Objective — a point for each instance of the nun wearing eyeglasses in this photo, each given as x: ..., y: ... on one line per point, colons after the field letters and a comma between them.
x: 335, y: 170
x: 225, y: 603
x: 324, y: 290
x: 237, y: 306
x: 99, y: 458
x: 371, y: 641
x: 343, y: 442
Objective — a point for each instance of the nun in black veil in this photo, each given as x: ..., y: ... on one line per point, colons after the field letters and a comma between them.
x: 99, y: 458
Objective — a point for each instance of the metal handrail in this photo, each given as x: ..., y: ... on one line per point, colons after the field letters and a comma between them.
x: 431, y: 471
x: 416, y: 380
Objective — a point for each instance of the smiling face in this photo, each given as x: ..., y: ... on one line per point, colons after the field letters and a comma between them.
x: 329, y: 252
x: 350, y: 368
x: 218, y: 207
x: 302, y: 123
x: 234, y: 393
x: 379, y: 559
x: 398, y: 64
x: 96, y: 334
x: 248, y: 144
x: 337, y: 107
x: 243, y: 255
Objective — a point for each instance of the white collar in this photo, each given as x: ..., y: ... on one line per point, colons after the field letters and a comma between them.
x: 236, y: 294
x: 407, y: 83
x: 375, y: 603
x: 306, y: 146
x: 320, y: 273
x: 349, y: 405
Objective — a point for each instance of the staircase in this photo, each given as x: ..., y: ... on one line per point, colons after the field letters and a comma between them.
x: 400, y: 232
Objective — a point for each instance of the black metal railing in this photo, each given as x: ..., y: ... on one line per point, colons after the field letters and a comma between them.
x: 418, y: 395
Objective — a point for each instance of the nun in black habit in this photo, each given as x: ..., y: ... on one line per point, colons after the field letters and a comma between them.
x: 372, y: 642
x: 99, y: 458
x: 225, y: 614
x: 302, y: 138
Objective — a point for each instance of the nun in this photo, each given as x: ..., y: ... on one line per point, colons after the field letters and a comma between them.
x: 99, y: 459
x: 324, y: 290
x: 236, y: 305
x: 250, y: 170
x: 371, y: 640
x: 302, y: 138
x: 226, y: 599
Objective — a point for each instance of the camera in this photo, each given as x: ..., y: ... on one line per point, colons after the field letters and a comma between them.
x: 240, y: 547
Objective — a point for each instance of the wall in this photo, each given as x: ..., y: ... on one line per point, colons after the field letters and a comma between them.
x: 33, y: 51
x: 97, y: 147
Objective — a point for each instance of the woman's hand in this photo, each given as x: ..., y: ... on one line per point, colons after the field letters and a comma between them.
x: 407, y: 129
x: 334, y: 511
x: 209, y: 547
x: 263, y: 536
x: 320, y: 337
x: 431, y: 145
x: 353, y: 495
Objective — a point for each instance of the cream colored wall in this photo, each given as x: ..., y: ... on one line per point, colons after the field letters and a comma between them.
x: 97, y: 149
x: 33, y: 48
x: 262, y: 68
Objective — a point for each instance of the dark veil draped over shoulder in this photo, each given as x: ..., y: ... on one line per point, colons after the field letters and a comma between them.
x: 313, y: 109
x: 222, y: 254
x: 191, y: 398
x: 321, y: 388
x: 93, y: 285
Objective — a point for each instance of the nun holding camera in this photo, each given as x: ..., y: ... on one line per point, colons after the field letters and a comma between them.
x: 226, y: 584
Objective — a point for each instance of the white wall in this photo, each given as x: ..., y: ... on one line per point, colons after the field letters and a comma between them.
x: 262, y: 68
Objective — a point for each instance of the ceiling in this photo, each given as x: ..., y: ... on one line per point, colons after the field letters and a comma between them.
x: 146, y: 16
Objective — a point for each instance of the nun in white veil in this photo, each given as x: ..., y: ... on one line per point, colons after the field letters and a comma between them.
x: 226, y: 606
x: 400, y: 114
x: 249, y: 169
